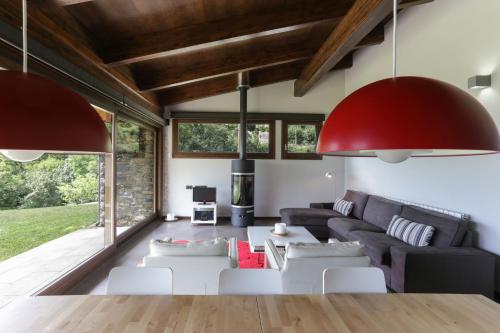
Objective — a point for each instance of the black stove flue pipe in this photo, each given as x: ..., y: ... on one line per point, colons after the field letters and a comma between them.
x: 243, y: 88
x: 242, y: 170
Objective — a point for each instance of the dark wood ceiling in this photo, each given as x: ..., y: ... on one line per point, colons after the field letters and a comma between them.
x: 171, y: 51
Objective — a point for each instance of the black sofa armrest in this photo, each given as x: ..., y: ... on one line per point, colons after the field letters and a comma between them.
x: 322, y: 205
x: 463, y: 270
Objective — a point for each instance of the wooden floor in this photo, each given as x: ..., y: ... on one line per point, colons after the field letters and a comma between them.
x: 132, y: 252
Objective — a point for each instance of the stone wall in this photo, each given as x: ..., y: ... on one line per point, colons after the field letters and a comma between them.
x: 102, y: 186
x: 135, y: 181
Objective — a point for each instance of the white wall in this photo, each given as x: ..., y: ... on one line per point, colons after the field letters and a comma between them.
x: 449, y: 40
x: 279, y: 183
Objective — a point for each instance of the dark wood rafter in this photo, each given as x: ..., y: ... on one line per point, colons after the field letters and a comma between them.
x: 259, y: 53
x: 362, y: 18
x: 228, y: 83
x: 189, y: 38
x: 56, y: 3
x: 410, y: 3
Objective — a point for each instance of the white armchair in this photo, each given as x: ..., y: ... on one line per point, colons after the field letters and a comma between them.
x: 195, y: 267
x: 302, y: 265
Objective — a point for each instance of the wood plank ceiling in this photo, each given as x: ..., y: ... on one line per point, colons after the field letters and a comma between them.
x: 171, y: 51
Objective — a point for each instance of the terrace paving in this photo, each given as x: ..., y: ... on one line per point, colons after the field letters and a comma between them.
x: 30, y: 271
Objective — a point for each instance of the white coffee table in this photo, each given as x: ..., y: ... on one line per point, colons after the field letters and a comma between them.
x: 258, y: 235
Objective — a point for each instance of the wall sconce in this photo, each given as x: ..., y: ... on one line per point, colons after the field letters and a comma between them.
x: 479, y: 82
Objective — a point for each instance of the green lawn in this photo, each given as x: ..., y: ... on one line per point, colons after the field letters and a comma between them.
x: 24, y: 229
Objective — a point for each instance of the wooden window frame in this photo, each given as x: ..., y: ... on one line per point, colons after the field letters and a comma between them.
x: 285, y: 155
x: 222, y: 155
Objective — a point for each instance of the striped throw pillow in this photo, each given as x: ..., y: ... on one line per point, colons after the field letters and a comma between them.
x: 412, y: 233
x: 343, y: 207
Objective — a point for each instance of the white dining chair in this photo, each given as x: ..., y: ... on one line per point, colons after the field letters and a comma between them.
x: 250, y: 282
x: 354, y: 280
x: 130, y: 280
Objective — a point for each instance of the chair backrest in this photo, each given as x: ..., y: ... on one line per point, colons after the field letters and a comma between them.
x: 354, y: 280
x: 196, y: 275
x: 305, y: 275
x: 250, y: 282
x: 140, y: 281
x: 192, y: 275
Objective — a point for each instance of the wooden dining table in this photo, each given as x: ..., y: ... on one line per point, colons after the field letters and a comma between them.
x: 284, y: 313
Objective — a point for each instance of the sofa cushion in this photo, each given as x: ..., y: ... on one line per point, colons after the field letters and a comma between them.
x: 359, y: 199
x: 380, y: 211
x: 342, y: 206
x: 343, y: 226
x: 307, y: 216
x: 377, y: 245
x: 449, y: 230
x: 415, y: 234
x: 337, y: 249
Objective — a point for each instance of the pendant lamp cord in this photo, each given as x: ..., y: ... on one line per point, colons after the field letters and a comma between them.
x: 25, y: 37
x: 394, y: 24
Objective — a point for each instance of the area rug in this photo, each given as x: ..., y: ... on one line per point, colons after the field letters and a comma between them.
x: 247, y: 259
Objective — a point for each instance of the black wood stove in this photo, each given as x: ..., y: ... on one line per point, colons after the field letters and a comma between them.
x: 242, y: 170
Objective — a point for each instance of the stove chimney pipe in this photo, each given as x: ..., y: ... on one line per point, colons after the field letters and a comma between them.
x: 243, y: 86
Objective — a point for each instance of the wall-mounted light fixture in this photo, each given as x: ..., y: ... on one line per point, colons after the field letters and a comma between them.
x: 479, y: 82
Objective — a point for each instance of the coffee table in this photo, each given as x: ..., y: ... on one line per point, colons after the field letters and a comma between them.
x: 257, y: 237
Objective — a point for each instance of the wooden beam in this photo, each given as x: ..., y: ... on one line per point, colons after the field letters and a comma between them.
x: 410, y: 3
x: 363, y: 17
x: 229, y: 59
x: 228, y: 83
x: 193, y: 115
x: 196, y: 37
x: 56, y: 3
x: 200, y: 89
x: 261, y: 52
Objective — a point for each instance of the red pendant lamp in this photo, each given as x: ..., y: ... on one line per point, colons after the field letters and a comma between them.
x: 400, y: 117
x: 37, y: 115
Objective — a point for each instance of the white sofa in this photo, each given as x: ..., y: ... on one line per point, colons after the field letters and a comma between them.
x: 195, y: 269
x: 302, y: 265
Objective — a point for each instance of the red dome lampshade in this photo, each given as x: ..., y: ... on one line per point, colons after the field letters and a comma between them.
x: 37, y: 114
x: 411, y: 115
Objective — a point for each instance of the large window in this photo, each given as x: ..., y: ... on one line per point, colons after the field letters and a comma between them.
x: 220, y: 139
x: 135, y: 174
x: 298, y: 140
x: 55, y: 213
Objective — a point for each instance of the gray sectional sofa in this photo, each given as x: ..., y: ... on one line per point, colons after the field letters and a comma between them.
x: 449, y: 265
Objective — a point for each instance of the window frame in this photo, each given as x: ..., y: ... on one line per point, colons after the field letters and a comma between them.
x: 285, y: 155
x: 176, y: 153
